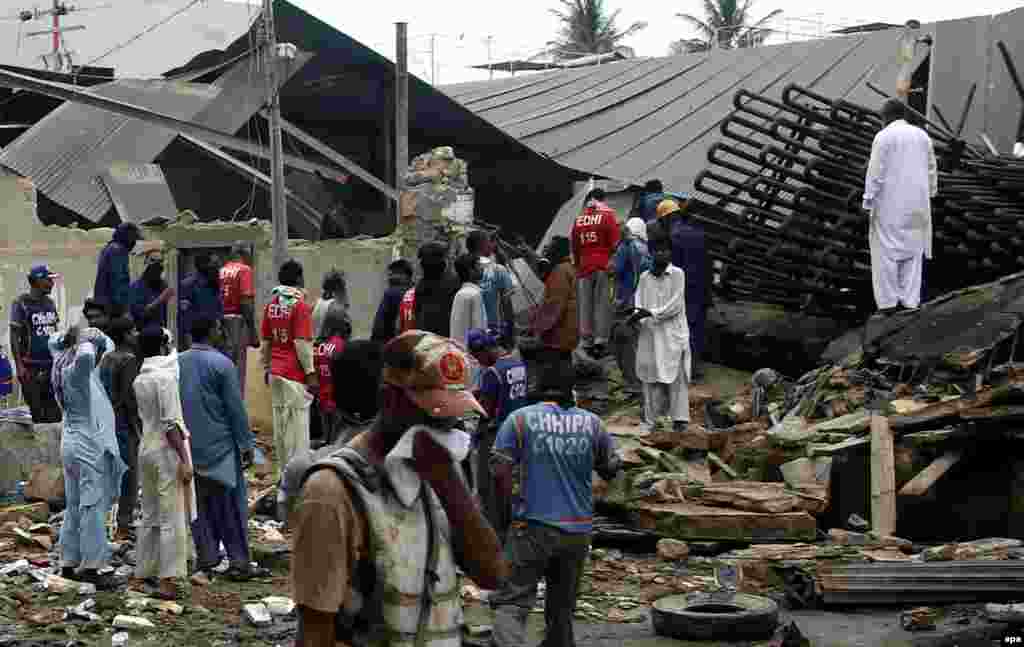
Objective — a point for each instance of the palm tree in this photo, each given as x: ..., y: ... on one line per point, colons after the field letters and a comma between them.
x: 588, y: 28
x: 726, y: 24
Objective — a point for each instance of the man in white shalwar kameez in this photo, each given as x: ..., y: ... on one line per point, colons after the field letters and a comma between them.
x: 902, y: 178
x: 663, y: 340
x: 165, y: 466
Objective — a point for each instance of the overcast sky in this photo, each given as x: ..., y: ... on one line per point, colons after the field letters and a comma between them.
x: 521, y: 28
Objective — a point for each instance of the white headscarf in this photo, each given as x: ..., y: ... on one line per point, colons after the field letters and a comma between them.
x: 637, y: 228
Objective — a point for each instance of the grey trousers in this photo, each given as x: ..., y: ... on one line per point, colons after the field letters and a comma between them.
x: 624, y: 338
x: 538, y: 552
x: 594, y: 306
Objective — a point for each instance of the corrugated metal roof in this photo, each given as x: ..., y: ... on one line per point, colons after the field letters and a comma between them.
x: 140, y: 193
x: 655, y: 118
x: 66, y: 152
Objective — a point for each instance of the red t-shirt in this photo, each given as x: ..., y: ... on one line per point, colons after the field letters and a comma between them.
x: 322, y: 352
x: 595, y: 235
x: 235, y: 283
x: 281, y: 326
x: 407, y: 311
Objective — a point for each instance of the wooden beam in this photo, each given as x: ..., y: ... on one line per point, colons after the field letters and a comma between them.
x: 883, y: 477
x: 927, y: 477
x: 828, y: 450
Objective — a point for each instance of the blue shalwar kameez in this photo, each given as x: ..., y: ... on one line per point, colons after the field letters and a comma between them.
x: 92, y: 462
x: 215, y: 413
x: 690, y: 254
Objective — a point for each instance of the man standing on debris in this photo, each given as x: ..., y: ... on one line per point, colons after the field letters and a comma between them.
x: 595, y: 235
x: 113, y: 280
x: 200, y: 295
x: 689, y: 253
x: 502, y: 392
x: 222, y: 443
x: 496, y: 284
x: 631, y: 259
x: 93, y: 468
x: 434, y: 295
x: 118, y: 370
x: 33, y: 319
x: 544, y: 458
x: 165, y: 465
x: 902, y: 178
x: 663, y: 347
x: 468, y: 307
x: 385, y: 323
x: 150, y: 295
x: 287, y: 332
x: 556, y: 317
x: 391, y: 511
x: 238, y: 294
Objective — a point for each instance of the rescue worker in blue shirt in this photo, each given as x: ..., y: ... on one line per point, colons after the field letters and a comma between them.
x: 200, y: 295
x: 689, y: 252
x: 113, y: 280
x: 502, y: 392
x: 544, y: 458
x: 654, y: 193
x: 150, y: 295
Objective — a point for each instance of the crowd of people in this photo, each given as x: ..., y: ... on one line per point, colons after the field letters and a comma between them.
x: 441, y: 431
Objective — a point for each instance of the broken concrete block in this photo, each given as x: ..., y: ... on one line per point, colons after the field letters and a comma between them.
x: 133, y: 623
x: 279, y: 606
x: 919, y: 619
x: 688, y: 521
x: 168, y: 606
x: 753, y: 496
x: 673, y: 549
x: 257, y: 614
x: 849, y: 538
x: 120, y: 639
x: 45, y: 483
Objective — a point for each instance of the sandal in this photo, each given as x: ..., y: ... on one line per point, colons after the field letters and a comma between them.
x: 244, y: 574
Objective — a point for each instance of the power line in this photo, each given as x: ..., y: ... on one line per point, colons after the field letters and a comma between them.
x: 144, y: 32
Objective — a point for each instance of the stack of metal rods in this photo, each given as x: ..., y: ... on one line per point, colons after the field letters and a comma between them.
x: 785, y: 186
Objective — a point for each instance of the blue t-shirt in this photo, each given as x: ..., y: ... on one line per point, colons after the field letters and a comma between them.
x: 505, y: 383
x: 555, y: 452
x: 199, y: 298
x: 496, y: 279
x: 39, y: 317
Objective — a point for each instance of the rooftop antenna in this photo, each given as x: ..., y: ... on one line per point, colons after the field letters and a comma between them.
x: 59, y: 59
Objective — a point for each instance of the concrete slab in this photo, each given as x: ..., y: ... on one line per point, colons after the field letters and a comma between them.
x: 692, y: 521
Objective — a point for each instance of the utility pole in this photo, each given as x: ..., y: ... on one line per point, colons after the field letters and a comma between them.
x: 278, y: 204
x: 401, y: 111
x: 490, y: 70
x: 433, y: 65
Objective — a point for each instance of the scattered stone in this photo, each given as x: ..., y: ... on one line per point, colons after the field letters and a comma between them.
x: 848, y: 538
x: 673, y: 549
x: 133, y: 623
x: 279, y: 606
x: 919, y: 619
x: 59, y: 585
x: 168, y: 606
x: 273, y: 536
x: 199, y: 579
x: 257, y: 614
x: 45, y: 483
x: 857, y: 523
x: 120, y: 639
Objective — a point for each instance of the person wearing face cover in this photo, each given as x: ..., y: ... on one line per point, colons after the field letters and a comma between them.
x: 391, y: 512
x: 93, y: 467
x: 113, y: 280
x: 200, y: 296
x: 150, y: 295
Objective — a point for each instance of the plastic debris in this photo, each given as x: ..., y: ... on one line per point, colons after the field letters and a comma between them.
x: 120, y: 639
x: 257, y: 614
x: 279, y: 606
x: 15, y: 568
x: 133, y: 623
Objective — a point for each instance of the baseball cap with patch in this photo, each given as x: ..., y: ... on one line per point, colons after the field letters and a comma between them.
x: 434, y: 371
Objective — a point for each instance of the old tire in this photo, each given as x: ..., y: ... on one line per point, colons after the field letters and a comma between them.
x: 701, y: 616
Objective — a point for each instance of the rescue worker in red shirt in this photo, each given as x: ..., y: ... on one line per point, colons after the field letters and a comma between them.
x: 287, y: 332
x: 595, y: 236
x: 238, y: 294
x: 333, y: 336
